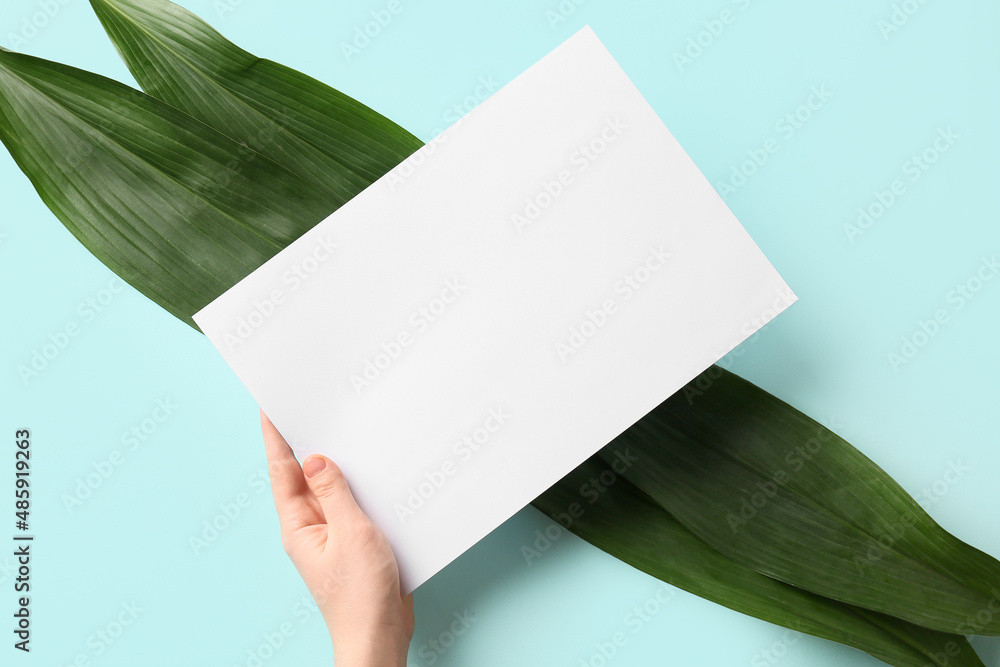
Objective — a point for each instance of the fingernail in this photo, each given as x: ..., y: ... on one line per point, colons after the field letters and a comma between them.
x: 314, y: 465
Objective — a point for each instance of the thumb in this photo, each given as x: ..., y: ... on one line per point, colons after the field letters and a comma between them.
x: 327, y: 482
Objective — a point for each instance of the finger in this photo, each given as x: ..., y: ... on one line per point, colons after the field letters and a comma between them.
x: 329, y: 485
x: 292, y: 497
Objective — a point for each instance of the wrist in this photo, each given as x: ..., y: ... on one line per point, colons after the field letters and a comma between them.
x: 370, y: 650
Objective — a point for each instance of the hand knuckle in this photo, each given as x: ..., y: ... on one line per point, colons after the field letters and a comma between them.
x: 364, y: 532
x: 332, y: 480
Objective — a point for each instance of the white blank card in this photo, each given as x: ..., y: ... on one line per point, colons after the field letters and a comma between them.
x: 498, y: 307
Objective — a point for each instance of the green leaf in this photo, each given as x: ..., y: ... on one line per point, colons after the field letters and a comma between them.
x: 178, y: 210
x: 628, y: 524
x: 324, y: 136
x: 773, y: 489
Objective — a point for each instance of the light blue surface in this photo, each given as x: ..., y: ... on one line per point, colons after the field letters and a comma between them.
x: 889, y: 95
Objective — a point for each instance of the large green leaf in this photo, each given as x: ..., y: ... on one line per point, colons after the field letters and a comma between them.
x: 323, y: 135
x: 178, y: 210
x: 773, y: 489
x: 628, y: 524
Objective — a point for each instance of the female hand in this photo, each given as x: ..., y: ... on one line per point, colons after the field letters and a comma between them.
x: 344, y: 559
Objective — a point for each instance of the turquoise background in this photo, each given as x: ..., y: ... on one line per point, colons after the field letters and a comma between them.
x: 890, y: 93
